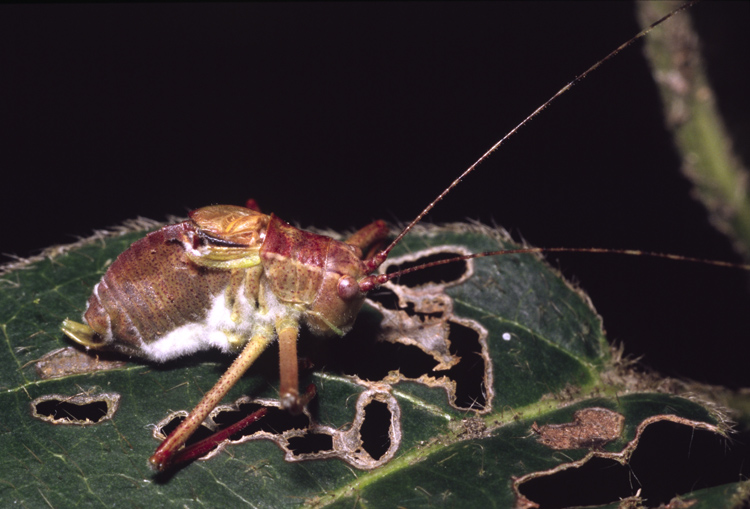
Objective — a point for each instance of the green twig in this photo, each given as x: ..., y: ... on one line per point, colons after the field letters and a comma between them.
x: 701, y: 137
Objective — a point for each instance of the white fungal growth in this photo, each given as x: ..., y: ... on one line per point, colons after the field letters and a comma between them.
x: 217, y: 330
x: 506, y: 336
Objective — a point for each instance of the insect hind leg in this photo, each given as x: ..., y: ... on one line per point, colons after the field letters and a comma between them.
x: 165, y: 454
x: 207, y: 444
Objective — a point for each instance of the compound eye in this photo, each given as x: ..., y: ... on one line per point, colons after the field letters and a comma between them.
x: 348, y: 287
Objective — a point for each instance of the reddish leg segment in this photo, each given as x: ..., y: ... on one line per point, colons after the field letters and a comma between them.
x: 198, y: 449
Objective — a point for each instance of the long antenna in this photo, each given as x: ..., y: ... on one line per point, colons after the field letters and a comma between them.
x: 378, y: 259
x: 382, y: 278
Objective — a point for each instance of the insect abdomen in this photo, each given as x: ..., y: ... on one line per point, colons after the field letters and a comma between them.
x: 151, y: 290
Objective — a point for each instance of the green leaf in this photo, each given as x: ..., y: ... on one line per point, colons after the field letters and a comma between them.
x: 527, y: 351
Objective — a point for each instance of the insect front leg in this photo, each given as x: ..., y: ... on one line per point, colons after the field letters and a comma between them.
x: 371, y: 236
x: 164, y: 455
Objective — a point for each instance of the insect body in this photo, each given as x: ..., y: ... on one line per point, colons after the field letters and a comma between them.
x: 228, y: 278
x: 236, y: 279
x: 219, y: 279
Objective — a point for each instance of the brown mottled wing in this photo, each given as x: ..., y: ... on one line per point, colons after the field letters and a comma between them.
x: 229, y: 223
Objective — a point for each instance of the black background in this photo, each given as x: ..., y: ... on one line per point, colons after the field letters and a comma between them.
x: 334, y: 115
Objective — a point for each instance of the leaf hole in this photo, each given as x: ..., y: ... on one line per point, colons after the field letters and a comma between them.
x: 469, y: 374
x: 58, y: 410
x: 375, y: 429
x: 79, y: 410
x: 439, y: 275
x: 275, y: 421
x: 201, y: 433
x: 671, y: 459
x: 374, y: 360
x: 385, y: 297
x: 310, y: 443
x: 389, y: 300
x: 377, y: 361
